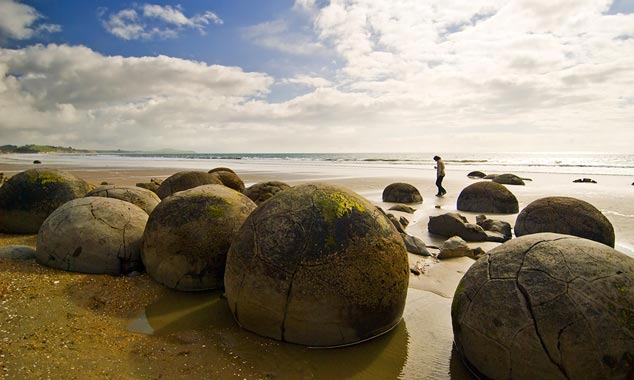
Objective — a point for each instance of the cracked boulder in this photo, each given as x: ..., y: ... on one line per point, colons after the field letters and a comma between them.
x: 188, y: 235
x: 565, y: 215
x: 186, y: 180
x: 29, y: 197
x: 144, y: 198
x: 402, y: 193
x: 317, y: 265
x: 547, y: 306
x: 93, y: 235
x: 262, y: 191
x: 454, y: 224
x: 485, y: 196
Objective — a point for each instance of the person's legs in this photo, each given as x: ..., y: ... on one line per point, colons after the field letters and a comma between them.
x: 441, y: 190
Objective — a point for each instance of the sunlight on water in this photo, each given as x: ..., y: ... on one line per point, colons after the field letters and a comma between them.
x: 420, y: 347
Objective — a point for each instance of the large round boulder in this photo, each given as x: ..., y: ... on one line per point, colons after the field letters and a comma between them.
x: 317, y: 265
x: 547, y: 306
x: 401, y: 193
x: 262, y: 191
x: 488, y: 197
x: 565, y: 215
x: 188, y: 235
x: 29, y: 197
x: 144, y: 198
x: 93, y: 235
x: 508, y: 179
x: 186, y: 180
x: 228, y: 178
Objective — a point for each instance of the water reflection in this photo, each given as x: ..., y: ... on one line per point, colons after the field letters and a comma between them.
x: 419, y: 347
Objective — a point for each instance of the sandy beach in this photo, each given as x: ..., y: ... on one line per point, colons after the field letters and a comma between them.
x: 60, y: 325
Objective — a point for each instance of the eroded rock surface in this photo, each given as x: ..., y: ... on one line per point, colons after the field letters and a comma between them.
x: 317, y: 265
x: 402, y: 193
x: 144, y: 198
x: 29, y: 197
x: 547, y: 306
x: 565, y: 215
x: 93, y: 235
x: 488, y: 197
x: 188, y: 235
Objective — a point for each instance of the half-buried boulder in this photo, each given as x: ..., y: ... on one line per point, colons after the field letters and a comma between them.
x: 547, y: 306
x: 402, y: 193
x: 93, y: 235
x: 184, y: 181
x: 488, y: 197
x: 188, y: 235
x: 29, y: 197
x: 565, y: 215
x: 476, y: 174
x: 262, y: 191
x: 144, y: 198
x: 317, y: 265
x: 508, y: 179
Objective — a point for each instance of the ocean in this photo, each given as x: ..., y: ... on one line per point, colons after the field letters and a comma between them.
x: 558, y: 162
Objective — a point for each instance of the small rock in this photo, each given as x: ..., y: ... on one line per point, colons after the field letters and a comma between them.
x: 403, y: 208
x: 404, y: 221
x: 414, y: 271
x: 457, y: 247
x: 584, y: 180
x: 415, y: 245
x: 17, y: 252
x: 396, y: 223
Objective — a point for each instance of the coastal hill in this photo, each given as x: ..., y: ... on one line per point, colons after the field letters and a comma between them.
x: 32, y: 148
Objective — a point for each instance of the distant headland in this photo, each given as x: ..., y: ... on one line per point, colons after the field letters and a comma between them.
x: 33, y: 148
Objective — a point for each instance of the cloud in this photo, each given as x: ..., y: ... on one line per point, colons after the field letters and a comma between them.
x: 60, y: 92
x: 279, y: 35
x: 18, y: 21
x: 155, y: 21
x: 410, y: 76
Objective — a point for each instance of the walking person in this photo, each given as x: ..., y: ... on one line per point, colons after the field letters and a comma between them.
x: 440, y: 175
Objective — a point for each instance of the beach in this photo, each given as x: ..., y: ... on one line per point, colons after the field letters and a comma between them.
x: 56, y: 324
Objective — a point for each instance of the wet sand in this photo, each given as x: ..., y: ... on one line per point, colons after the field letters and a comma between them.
x: 60, y: 325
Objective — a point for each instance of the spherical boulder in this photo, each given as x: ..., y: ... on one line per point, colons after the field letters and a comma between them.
x: 401, y: 193
x: 93, y: 235
x: 185, y: 180
x: 144, y: 198
x: 229, y: 179
x: 565, y: 215
x: 29, y: 197
x: 317, y: 265
x: 188, y: 235
x: 485, y: 196
x: 262, y: 191
x: 508, y: 179
x: 547, y: 306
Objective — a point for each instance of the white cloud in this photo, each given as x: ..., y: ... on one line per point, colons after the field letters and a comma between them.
x: 308, y: 80
x: 412, y: 75
x: 155, y: 21
x: 18, y: 21
x: 280, y: 36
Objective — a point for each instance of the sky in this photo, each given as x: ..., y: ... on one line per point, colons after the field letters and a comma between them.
x: 318, y: 75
